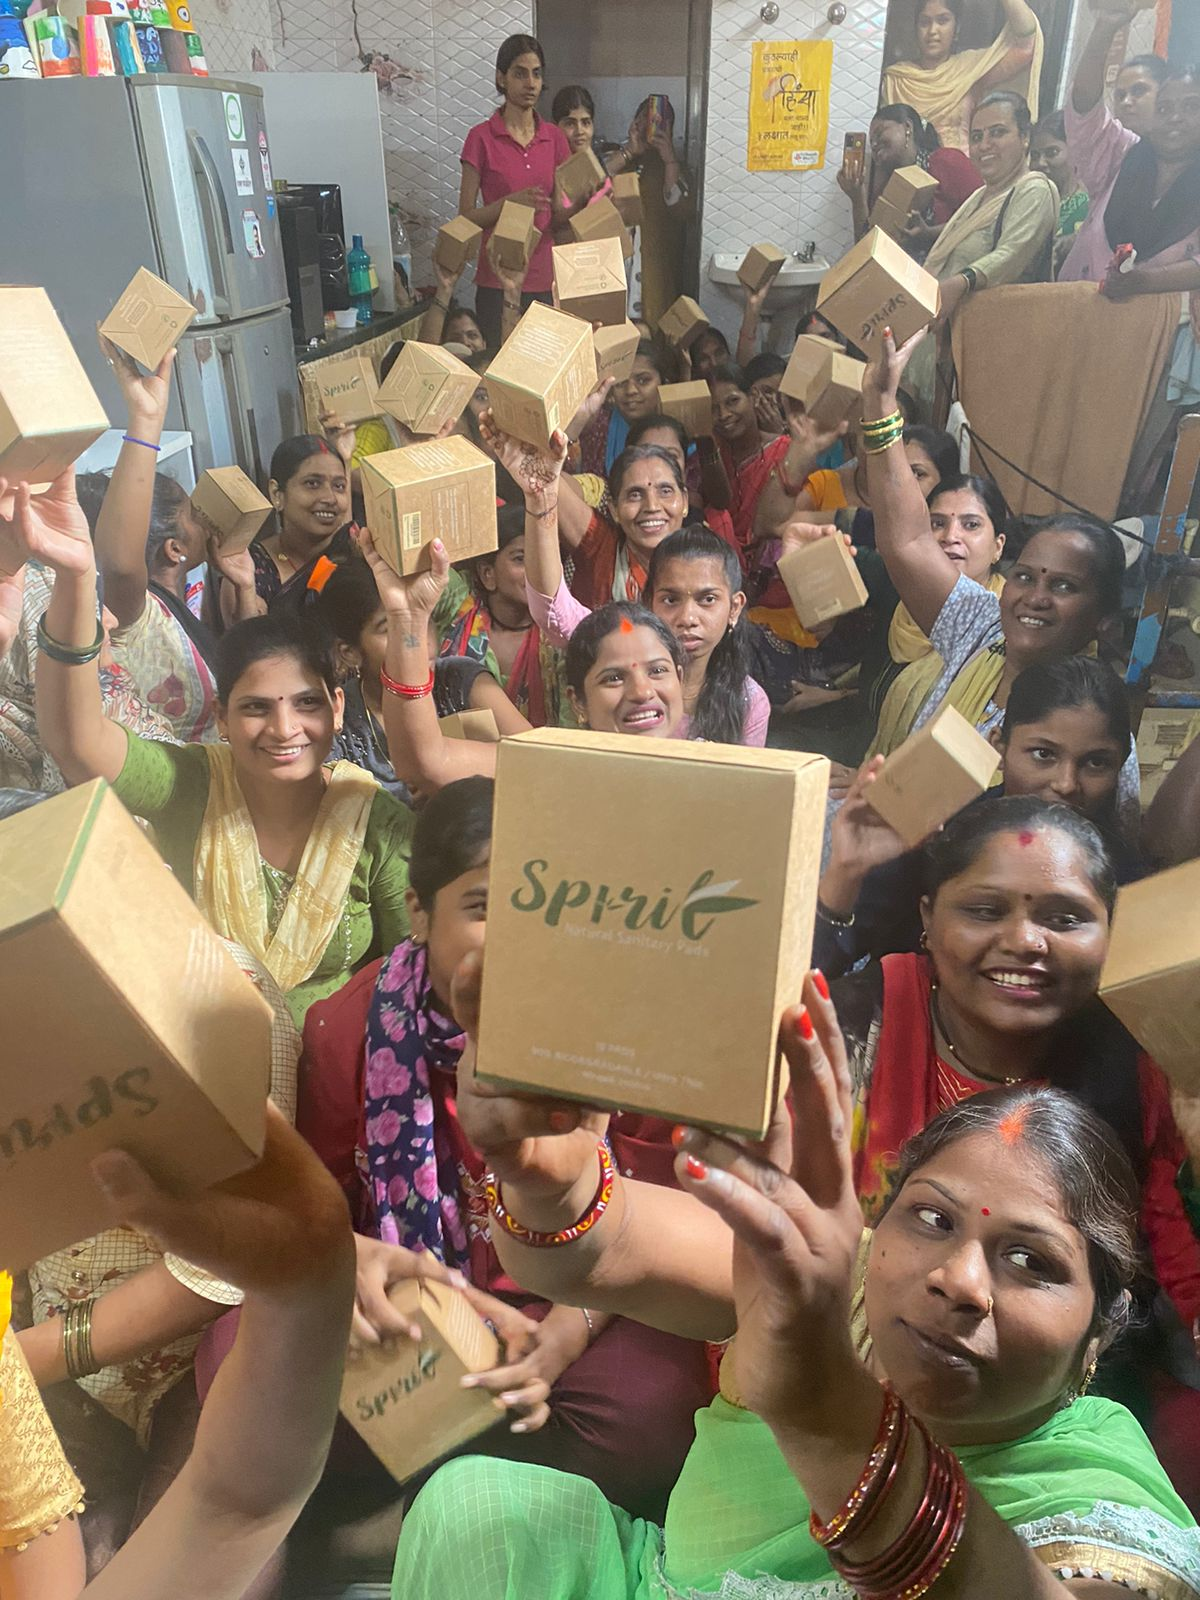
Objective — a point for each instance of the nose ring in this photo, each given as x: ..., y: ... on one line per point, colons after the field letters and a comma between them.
x: 990, y: 1304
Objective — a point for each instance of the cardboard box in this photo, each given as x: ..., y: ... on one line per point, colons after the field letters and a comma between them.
x: 404, y: 1400
x: 888, y: 219
x: 761, y: 266
x: 49, y: 412
x: 1151, y: 978
x: 835, y: 394
x: 590, y: 282
x: 689, y: 403
x: 616, y: 351
x: 627, y: 197
x: 808, y: 357
x: 542, y: 374
x: 934, y: 773
x: 478, y: 726
x: 607, y: 944
x: 457, y: 244
x: 233, y: 504
x: 426, y: 388
x: 440, y: 489
x: 148, y: 319
x: 601, y: 220
x: 876, y: 286
x: 822, y: 580
x: 580, y: 176
x: 348, y: 387
x: 515, y: 237
x: 910, y: 189
x: 682, y: 323
x: 162, y: 1045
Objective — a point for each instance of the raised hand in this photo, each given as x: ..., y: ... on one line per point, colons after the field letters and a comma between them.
x: 881, y: 381
x: 591, y: 407
x: 413, y: 597
x: 340, y: 436
x: 535, y: 471
x: 814, y: 437
x: 797, y: 533
x: 768, y: 411
x: 50, y: 528
x: 447, y: 279
x: 237, y: 567
x: 147, y: 396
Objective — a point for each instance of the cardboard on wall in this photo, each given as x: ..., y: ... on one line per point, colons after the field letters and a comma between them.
x: 822, y: 580
x: 404, y: 1400
x: 439, y: 489
x: 49, y: 412
x: 682, y: 323
x: 1151, y: 978
x: 637, y: 926
x: 809, y: 355
x: 627, y: 197
x: 910, y: 189
x: 601, y: 220
x: 478, y: 726
x: 148, y: 319
x: 348, y: 387
x: 164, y: 1047
x: 689, y: 403
x: 234, y: 506
x: 590, y: 282
x: 457, y: 244
x: 835, y: 394
x: 580, y: 176
x: 616, y: 351
x: 544, y: 371
x: 515, y: 236
x: 933, y: 774
x: 426, y: 387
x: 762, y: 264
x: 876, y: 285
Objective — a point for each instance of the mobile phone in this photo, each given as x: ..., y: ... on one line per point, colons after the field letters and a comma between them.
x: 854, y: 155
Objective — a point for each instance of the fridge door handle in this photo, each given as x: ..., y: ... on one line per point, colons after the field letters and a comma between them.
x: 245, y: 423
x: 215, y: 214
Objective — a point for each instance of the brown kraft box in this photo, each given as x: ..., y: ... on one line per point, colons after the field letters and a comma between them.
x: 162, y: 1047
x: 439, y: 489
x: 877, y: 286
x: 544, y: 371
x: 233, y: 505
x: 590, y: 281
x: 609, y: 947
x: 426, y: 387
x: 682, y: 323
x: 457, y: 244
x: 49, y: 412
x: 934, y: 773
x: 348, y: 387
x: 404, y: 1399
x: 888, y: 219
x: 1151, y: 978
x: 761, y: 266
x: 835, y: 394
x: 580, y: 176
x: 616, y: 351
x: 515, y: 237
x: 148, y: 319
x: 479, y: 726
x: 808, y: 357
x: 627, y: 197
x: 910, y: 189
x: 601, y: 220
x: 689, y: 403
x: 822, y: 580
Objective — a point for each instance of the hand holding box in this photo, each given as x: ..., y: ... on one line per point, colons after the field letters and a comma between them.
x: 682, y: 323
x: 876, y: 285
x: 616, y: 351
x: 601, y: 220
x: 543, y: 373
x: 590, y: 282
x: 933, y: 774
x: 514, y: 238
x: 232, y: 506
x: 809, y: 355
x: 49, y: 412
x: 689, y: 403
x: 835, y: 393
x: 347, y: 386
x: 427, y: 387
x: 457, y: 244
x: 580, y: 176
x: 762, y: 266
x: 439, y: 489
x: 822, y: 580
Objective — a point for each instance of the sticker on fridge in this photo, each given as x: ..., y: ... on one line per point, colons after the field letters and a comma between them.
x: 242, y: 174
x: 235, y: 121
x: 252, y: 234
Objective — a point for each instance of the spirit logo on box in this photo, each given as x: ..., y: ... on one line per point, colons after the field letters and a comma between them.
x: 424, y: 1371
x: 60, y: 1123
x: 704, y: 902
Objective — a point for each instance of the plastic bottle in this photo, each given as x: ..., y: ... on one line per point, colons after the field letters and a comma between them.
x: 401, y: 256
x: 358, y: 264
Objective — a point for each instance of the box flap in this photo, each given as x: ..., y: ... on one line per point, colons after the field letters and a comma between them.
x: 698, y: 753
x: 40, y: 849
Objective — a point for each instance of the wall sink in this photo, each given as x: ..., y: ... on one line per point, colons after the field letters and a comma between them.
x: 794, y: 276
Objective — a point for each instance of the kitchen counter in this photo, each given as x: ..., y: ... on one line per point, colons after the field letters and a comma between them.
x: 337, y: 343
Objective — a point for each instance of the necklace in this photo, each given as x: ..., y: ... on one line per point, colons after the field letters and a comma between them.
x: 935, y: 1012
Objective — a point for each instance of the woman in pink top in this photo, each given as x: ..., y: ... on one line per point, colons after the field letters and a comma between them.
x: 512, y: 156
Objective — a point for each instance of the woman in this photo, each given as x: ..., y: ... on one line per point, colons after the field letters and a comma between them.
x: 601, y: 1397
x: 512, y: 156
x: 899, y: 137
x: 945, y: 84
x: 997, y: 1275
x: 648, y: 500
x: 629, y: 402
x: 1004, y: 233
x: 1064, y: 739
x: 305, y: 866
x: 310, y: 490
x: 1135, y: 92
x: 1048, y: 153
x: 574, y: 111
x: 749, y: 456
x: 657, y: 273
x: 700, y: 463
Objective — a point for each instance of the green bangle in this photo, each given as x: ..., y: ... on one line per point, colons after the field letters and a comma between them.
x: 67, y: 654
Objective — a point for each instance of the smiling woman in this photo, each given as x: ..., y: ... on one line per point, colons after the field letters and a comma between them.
x: 310, y: 490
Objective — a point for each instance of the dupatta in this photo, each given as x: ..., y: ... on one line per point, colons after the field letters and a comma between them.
x: 938, y: 93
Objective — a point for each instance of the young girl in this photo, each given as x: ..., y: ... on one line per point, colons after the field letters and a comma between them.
x: 310, y: 490
x: 574, y: 111
x: 628, y: 403
x: 749, y: 456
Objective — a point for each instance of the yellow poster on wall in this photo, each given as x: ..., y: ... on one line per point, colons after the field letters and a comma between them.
x: 789, y: 105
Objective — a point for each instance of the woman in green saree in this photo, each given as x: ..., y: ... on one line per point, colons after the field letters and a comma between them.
x: 976, y: 1310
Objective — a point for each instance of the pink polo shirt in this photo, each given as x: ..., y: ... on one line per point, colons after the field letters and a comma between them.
x: 504, y: 166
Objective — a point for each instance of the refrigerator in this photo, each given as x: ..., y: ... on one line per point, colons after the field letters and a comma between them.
x: 173, y: 173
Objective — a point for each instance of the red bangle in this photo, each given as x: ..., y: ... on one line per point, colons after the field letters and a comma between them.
x: 406, y: 691
x: 864, y: 1500
x: 546, y: 1241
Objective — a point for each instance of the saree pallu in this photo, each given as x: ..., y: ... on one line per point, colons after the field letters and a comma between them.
x: 534, y: 684
x: 972, y: 693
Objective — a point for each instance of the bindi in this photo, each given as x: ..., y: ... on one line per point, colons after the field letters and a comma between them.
x: 985, y: 1211
x: 1025, y: 837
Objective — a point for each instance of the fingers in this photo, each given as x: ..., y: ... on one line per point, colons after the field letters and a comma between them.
x: 163, y: 370
x: 138, y: 1202
x: 439, y: 561
x: 820, y: 1095
x: 759, y: 1221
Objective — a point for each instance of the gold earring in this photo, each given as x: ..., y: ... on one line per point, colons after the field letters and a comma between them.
x: 924, y: 940
x: 1087, y: 1379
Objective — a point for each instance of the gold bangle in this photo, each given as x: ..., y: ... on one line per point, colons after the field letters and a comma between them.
x: 883, y: 425
x: 881, y: 445
x: 77, y: 1340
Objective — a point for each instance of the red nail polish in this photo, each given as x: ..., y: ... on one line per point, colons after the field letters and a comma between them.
x: 805, y: 1026
x: 695, y: 1168
x: 821, y: 983
x: 678, y: 1134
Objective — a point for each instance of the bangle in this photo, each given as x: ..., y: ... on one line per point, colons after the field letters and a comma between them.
x: 540, y: 516
x: 129, y: 439
x: 591, y: 1326
x: 512, y: 305
x: 546, y: 1241
x: 832, y: 918
x: 882, y: 434
x: 442, y: 305
x: 884, y: 444
x: 77, y: 1340
x: 792, y: 490
x: 406, y: 691
x: 68, y: 655
x: 864, y: 1500
x: 870, y: 430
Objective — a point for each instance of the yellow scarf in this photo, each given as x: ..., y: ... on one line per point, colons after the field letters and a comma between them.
x: 942, y: 94
x: 228, y: 869
x: 907, y: 642
x: 970, y: 693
